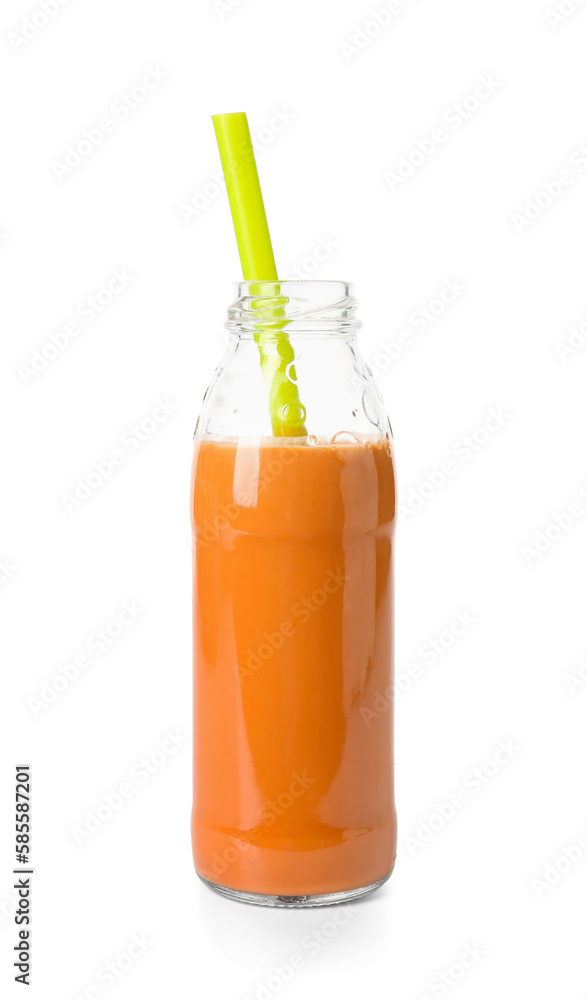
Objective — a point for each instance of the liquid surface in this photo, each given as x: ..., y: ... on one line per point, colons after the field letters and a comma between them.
x: 293, y: 778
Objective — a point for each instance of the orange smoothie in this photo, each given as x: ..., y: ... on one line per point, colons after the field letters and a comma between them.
x: 293, y: 581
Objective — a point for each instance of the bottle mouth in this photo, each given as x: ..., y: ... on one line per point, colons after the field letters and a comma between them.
x: 269, y: 307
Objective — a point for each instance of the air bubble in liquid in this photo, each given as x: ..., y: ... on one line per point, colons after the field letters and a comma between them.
x: 344, y: 437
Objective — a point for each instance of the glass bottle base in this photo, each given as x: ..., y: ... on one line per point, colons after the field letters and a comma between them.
x: 320, y: 899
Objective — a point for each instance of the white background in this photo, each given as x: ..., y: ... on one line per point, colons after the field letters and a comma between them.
x: 470, y: 547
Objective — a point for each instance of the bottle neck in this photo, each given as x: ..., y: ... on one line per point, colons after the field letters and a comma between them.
x: 293, y: 352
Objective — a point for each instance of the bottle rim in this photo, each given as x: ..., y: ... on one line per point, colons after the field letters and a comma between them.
x: 293, y: 306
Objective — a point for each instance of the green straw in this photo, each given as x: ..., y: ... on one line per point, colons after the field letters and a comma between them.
x: 258, y: 264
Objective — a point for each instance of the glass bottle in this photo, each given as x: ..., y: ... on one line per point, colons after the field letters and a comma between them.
x: 293, y: 611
